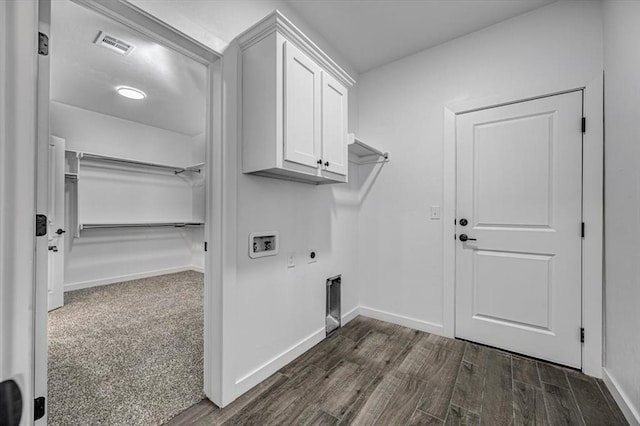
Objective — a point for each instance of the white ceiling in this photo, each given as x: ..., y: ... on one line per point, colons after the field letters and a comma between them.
x: 370, y: 33
x: 86, y: 75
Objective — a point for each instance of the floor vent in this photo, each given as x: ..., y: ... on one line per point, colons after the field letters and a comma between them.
x: 114, y: 44
x: 333, y: 318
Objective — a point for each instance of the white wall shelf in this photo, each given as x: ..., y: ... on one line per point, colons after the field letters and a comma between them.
x: 176, y: 169
x: 104, y: 225
x: 135, y: 204
x: 362, y: 153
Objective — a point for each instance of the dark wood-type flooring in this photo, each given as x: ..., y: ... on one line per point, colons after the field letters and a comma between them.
x: 375, y: 373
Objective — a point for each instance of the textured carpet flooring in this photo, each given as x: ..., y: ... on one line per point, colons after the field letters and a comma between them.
x: 128, y: 353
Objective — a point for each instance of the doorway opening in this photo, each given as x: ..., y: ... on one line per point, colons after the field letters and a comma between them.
x: 126, y: 198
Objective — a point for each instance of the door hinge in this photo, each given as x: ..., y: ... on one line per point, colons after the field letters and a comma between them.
x: 581, y: 334
x: 43, y: 44
x: 455, y: 237
x: 582, y: 232
x: 41, y: 225
x: 38, y: 408
x: 584, y: 124
x: 205, y: 246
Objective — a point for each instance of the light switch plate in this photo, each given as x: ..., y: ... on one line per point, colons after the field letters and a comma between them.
x: 435, y: 212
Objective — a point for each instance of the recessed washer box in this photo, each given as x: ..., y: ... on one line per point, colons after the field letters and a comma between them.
x: 263, y: 244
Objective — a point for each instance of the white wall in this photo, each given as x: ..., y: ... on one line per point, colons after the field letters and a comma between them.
x: 622, y: 197
x: 278, y: 307
x: 112, y: 255
x: 401, y: 106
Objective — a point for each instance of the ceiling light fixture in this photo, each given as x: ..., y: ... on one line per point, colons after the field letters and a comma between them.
x: 131, y: 92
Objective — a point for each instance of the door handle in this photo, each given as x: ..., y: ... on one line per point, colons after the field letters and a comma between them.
x: 326, y: 163
x: 465, y: 237
x: 60, y: 231
x: 53, y: 249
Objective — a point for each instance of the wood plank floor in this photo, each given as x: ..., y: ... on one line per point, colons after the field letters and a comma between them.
x: 375, y: 373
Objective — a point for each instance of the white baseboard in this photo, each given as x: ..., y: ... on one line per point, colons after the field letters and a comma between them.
x: 250, y: 380
x: 121, y: 278
x: 346, y: 318
x: 631, y: 413
x: 270, y: 367
x: 416, y: 324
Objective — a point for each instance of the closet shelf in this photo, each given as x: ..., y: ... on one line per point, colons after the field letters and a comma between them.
x: 363, y: 153
x: 104, y: 225
x: 99, y: 157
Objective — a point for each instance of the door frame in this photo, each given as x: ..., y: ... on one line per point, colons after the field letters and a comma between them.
x: 592, y: 210
x: 220, y: 197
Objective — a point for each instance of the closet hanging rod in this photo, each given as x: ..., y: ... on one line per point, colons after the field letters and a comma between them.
x: 138, y: 225
x: 385, y: 159
x: 85, y: 155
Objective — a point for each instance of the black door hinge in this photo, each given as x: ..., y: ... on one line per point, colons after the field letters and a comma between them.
x: 582, y: 335
x: 41, y: 225
x: 584, y: 124
x: 582, y: 233
x: 38, y: 408
x: 205, y: 246
x: 43, y: 44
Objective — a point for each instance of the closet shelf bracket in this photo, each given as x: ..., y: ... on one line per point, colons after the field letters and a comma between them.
x: 362, y: 153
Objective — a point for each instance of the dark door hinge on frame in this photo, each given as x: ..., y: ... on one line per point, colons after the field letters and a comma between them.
x: 205, y: 246
x: 41, y: 225
x: 584, y: 124
x: 43, y: 44
x: 38, y: 408
x: 582, y: 335
x: 582, y: 232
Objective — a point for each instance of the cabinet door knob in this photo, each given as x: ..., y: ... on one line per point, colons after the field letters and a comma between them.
x: 319, y: 161
x: 326, y: 163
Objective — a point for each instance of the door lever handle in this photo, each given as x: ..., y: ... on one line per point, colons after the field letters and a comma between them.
x: 53, y: 249
x: 465, y: 237
x: 60, y: 231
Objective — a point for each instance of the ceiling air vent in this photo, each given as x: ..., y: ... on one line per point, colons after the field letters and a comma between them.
x: 113, y: 43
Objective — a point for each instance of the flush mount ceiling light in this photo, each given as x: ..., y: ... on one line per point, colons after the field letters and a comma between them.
x: 131, y: 92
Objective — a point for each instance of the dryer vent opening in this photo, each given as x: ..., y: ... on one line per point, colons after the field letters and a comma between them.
x: 333, y: 315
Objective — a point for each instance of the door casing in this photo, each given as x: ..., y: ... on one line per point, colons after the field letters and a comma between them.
x: 216, y: 382
x: 592, y: 207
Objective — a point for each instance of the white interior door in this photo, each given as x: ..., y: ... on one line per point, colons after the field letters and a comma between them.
x: 334, y: 125
x: 56, y: 228
x: 301, y: 108
x: 519, y: 187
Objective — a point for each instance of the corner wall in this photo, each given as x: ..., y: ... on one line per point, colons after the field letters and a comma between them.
x: 401, y: 107
x: 622, y: 202
x: 278, y: 311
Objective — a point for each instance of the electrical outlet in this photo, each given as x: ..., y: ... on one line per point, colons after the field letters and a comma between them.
x: 435, y: 212
x: 291, y: 261
x: 313, y: 256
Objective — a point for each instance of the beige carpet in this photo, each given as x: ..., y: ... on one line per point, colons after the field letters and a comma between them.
x: 128, y: 353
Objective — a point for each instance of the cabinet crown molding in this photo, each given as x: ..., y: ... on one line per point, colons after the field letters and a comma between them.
x: 277, y: 22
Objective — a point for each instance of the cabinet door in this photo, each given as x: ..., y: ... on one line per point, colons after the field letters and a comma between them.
x: 334, y: 125
x: 302, y: 103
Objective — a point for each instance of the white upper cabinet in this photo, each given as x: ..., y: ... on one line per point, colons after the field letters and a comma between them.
x: 334, y: 125
x: 294, y: 106
x: 302, y: 108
